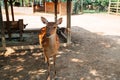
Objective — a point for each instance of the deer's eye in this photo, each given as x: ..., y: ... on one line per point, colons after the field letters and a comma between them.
x: 54, y: 27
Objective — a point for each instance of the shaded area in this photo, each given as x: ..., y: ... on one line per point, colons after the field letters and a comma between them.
x: 92, y: 56
x: 29, y: 38
x: 22, y: 65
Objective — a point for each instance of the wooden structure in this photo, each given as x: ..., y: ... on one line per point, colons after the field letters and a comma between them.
x: 15, y: 27
x: 12, y: 26
x: 38, y: 7
x: 2, y: 31
x: 61, y: 7
x: 8, y: 23
x: 49, y: 7
x: 114, y: 7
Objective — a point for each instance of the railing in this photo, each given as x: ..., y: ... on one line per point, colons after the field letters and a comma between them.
x: 114, y: 7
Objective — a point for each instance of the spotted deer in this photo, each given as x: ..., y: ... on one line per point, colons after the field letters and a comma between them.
x: 50, y: 42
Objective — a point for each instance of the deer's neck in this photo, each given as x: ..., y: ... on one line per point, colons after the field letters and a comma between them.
x: 52, y: 40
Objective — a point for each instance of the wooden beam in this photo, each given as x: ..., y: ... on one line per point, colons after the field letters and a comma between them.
x: 33, y: 6
x: 56, y: 3
x: 69, y: 21
x: 7, y: 18
x: 12, y: 11
x: 2, y: 30
x: 6, y: 10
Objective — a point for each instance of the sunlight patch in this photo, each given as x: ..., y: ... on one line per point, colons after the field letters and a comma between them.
x: 7, y: 67
x: 76, y: 60
x: 41, y: 71
x: 36, y: 54
x: 118, y: 41
x: 15, y: 78
x: 58, y: 55
x: 60, y: 52
x: 106, y: 45
x: 93, y: 72
x: 19, y: 68
x: 20, y: 59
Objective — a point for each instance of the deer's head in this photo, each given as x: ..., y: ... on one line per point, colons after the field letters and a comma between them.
x: 51, y: 27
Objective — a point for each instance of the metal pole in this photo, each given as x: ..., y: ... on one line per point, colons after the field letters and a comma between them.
x: 69, y: 21
x: 2, y: 29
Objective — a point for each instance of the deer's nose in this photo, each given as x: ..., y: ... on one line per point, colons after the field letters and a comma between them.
x: 48, y: 34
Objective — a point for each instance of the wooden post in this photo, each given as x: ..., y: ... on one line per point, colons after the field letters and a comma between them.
x: 69, y: 21
x: 7, y: 17
x: 56, y: 3
x: 20, y: 23
x: 6, y: 10
x: 44, y: 4
x: 2, y: 29
x: 33, y: 6
x: 12, y: 9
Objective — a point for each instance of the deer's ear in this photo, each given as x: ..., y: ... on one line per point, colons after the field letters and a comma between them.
x: 44, y: 20
x: 59, y: 21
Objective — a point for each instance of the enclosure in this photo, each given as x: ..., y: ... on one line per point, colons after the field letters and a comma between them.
x: 93, y: 55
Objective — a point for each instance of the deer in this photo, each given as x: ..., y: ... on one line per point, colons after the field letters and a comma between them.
x: 50, y: 42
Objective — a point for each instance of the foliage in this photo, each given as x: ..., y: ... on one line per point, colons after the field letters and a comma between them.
x: 58, y: 0
x: 1, y: 3
x: 76, y: 6
x: 63, y: 0
x: 97, y: 5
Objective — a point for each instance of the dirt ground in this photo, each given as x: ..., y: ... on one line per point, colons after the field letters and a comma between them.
x: 91, y: 56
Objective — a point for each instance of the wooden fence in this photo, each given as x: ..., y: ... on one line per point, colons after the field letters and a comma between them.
x: 114, y: 7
